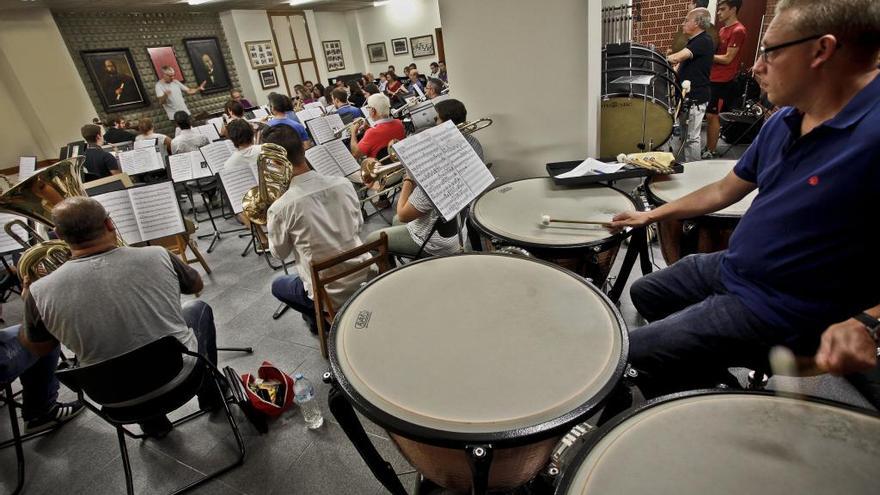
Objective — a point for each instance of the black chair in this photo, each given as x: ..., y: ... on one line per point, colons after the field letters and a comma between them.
x: 126, y: 378
x: 445, y: 229
x: 8, y: 398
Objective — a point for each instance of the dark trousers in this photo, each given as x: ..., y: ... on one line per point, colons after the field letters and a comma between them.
x: 697, y: 328
x: 290, y: 290
x: 39, y: 387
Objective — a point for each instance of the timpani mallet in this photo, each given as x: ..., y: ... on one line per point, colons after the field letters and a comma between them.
x: 546, y: 220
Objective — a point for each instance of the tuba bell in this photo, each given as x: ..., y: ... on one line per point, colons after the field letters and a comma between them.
x: 274, y: 173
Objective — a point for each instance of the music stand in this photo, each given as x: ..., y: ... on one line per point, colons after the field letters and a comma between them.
x: 642, y: 80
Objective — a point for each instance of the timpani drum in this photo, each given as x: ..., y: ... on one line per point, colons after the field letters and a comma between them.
x: 510, y: 215
x: 730, y: 444
x: 706, y: 234
x: 496, y: 351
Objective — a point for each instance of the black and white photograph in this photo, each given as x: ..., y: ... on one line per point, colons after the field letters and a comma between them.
x: 268, y: 78
x: 399, y: 46
x: 377, y: 52
x: 422, y: 46
x: 207, y: 63
x: 116, y: 80
x: 333, y: 54
x: 260, y: 53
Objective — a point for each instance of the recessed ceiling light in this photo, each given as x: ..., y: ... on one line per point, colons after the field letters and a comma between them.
x: 197, y: 2
x: 300, y: 2
x: 379, y: 3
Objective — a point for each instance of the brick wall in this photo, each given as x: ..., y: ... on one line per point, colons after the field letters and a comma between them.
x: 136, y: 31
x: 656, y: 21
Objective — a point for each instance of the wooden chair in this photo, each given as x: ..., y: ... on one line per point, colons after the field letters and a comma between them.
x: 177, y: 244
x: 324, y: 310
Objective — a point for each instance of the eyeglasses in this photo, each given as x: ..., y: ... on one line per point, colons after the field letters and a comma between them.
x: 766, y: 50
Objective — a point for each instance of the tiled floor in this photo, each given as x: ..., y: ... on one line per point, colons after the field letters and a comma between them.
x: 83, y: 457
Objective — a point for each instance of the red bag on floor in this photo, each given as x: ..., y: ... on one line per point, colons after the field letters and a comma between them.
x: 284, y: 397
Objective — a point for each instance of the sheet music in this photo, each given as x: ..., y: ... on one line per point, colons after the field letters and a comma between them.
x: 309, y: 113
x: 7, y: 243
x: 27, y: 166
x: 259, y: 113
x: 342, y: 156
x: 208, y: 131
x: 157, y: 211
x: 236, y: 182
x: 140, y: 161
x: 216, y: 154
x: 217, y: 122
x: 336, y: 122
x: 322, y: 161
x: 188, y: 166
x: 145, y: 143
x: 118, y: 206
x: 321, y: 130
x: 314, y: 104
x: 445, y: 166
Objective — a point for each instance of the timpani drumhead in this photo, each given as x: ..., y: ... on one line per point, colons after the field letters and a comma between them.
x: 513, y: 212
x: 731, y: 443
x: 668, y: 188
x: 477, y: 344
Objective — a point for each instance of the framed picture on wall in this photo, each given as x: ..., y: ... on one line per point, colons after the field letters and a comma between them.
x: 422, y: 46
x: 115, y: 79
x: 268, y: 78
x: 399, y: 46
x: 377, y: 52
x: 207, y: 63
x: 333, y: 55
x: 260, y: 53
x: 162, y: 56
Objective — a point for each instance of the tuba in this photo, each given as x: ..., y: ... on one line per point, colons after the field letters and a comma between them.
x: 34, y: 198
x: 274, y: 173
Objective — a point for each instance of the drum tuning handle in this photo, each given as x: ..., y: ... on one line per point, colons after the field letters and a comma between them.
x: 327, y: 378
x: 480, y: 460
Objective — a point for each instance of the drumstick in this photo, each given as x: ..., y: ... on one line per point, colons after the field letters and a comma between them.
x: 546, y: 220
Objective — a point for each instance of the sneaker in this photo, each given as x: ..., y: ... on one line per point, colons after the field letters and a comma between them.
x: 311, y: 322
x: 58, y: 414
x: 707, y: 155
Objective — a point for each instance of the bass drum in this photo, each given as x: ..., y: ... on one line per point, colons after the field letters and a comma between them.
x: 628, y: 109
x: 730, y: 443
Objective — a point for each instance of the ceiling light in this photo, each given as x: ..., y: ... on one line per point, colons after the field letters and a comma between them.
x: 300, y: 2
x: 379, y: 3
x: 197, y: 2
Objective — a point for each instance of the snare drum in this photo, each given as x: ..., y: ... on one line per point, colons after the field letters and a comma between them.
x: 496, y: 351
x: 510, y: 214
x: 706, y: 234
x: 730, y: 444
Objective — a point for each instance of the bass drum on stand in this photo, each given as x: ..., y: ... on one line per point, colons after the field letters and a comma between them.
x: 634, y: 114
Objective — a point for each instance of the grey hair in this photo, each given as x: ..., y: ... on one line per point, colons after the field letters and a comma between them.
x: 856, y: 21
x: 702, y: 17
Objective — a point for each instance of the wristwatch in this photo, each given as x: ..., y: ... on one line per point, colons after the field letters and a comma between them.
x: 871, y: 323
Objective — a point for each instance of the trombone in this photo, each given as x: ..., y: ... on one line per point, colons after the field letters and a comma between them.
x: 349, y: 128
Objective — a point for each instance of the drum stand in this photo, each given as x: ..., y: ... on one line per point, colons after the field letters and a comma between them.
x: 638, y: 247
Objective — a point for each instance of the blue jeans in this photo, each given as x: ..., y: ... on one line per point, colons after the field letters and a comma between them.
x: 290, y: 290
x: 697, y: 328
x: 200, y: 318
x: 37, y: 374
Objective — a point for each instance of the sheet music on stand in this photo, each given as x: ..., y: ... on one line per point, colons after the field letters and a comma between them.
x: 140, y: 161
x: 144, y: 213
x: 27, y: 166
x: 7, y: 243
x: 314, y: 104
x: 323, y: 129
x: 217, y: 153
x: 208, y: 131
x: 145, y: 143
x: 443, y: 163
x: 188, y: 166
x: 236, y: 182
x: 309, y: 114
x: 260, y: 113
x: 218, y: 124
x: 332, y: 159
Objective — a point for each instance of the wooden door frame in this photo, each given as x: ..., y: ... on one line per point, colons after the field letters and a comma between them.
x: 298, y: 61
x: 438, y: 37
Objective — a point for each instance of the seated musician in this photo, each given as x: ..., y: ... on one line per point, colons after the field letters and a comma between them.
x: 233, y: 110
x: 317, y: 217
x: 434, y: 88
x: 117, y: 132
x: 801, y: 260
x: 356, y: 93
x: 246, y: 153
x: 415, y: 85
x: 394, y: 88
x: 187, y: 139
x: 415, y: 209
x: 385, y: 129
x: 133, y: 299
x: 98, y: 163
x: 145, y: 127
x: 280, y: 105
x: 343, y: 107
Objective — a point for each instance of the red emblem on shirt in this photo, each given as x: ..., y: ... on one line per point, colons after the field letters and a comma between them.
x: 814, y: 180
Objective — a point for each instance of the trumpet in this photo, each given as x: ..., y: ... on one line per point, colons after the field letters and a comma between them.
x: 350, y: 127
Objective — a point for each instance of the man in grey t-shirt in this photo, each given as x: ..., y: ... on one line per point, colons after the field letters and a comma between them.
x: 108, y: 300
x: 170, y: 92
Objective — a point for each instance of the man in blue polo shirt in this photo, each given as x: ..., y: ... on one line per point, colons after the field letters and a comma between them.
x: 279, y: 105
x: 802, y: 259
x: 343, y: 107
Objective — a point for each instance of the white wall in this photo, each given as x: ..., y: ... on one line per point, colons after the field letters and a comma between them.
x: 400, y: 19
x: 241, y: 26
x: 525, y: 44
x: 38, y: 77
x: 330, y: 26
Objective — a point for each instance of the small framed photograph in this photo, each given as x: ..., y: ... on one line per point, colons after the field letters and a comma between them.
x: 377, y: 52
x: 333, y: 55
x: 399, y: 46
x: 422, y: 46
x: 268, y: 78
x: 260, y: 53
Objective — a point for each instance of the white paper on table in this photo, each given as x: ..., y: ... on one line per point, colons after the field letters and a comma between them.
x: 7, y: 243
x: 144, y: 143
x: 27, y: 166
x: 140, y: 161
x: 591, y: 166
x: 236, y: 182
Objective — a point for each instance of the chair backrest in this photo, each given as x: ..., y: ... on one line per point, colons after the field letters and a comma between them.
x: 323, y: 304
x: 128, y: 376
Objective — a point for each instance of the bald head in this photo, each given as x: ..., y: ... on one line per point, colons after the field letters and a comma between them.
x: 80, y: 220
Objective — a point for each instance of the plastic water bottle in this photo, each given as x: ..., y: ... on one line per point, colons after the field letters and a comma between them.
x: 304, y: 396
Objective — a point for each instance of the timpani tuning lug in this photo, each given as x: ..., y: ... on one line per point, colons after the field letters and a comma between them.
x: 327, y: 377
x: 688, y: 226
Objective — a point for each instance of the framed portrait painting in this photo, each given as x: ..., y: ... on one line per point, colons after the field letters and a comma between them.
x: 268, y: 78
x: 260, y: 53
x: 207, y: 63
x: 399, y: 46
x: 422, y: 46
x: 333, y: 55
x: 160, y: 56
x: 377, y: 52
x: 115, y: 78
